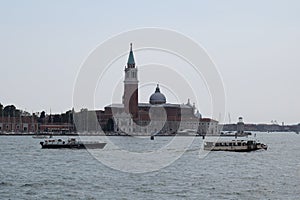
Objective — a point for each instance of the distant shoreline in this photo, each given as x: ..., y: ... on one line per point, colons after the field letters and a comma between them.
x: 115, y: 134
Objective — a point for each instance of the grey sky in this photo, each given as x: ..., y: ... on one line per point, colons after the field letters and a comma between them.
x: 255, y: 45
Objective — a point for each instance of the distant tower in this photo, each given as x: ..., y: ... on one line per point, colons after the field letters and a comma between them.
x: 240, y: 126
x: 130, y: 96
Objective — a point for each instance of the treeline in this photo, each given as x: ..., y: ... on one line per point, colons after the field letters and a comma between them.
x: 11, y: 111
x: 66, y: 117
x: 264, y: 127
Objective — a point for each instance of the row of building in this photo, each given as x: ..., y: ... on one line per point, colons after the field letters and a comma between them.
x: 18, y: 124
x: 31, y: 124
x: 127, y: 118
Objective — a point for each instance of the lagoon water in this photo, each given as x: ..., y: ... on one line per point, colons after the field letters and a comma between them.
x: 29, y: 172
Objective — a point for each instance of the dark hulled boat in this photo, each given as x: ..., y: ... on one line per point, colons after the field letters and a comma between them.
x: 72, y: 144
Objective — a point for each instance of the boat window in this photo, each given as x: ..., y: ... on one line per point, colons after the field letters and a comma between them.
x: 250, y: 142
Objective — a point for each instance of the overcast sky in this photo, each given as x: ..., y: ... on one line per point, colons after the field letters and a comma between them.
x: 255, y: 45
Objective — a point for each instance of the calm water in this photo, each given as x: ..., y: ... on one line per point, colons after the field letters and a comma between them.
x: 29, y: 172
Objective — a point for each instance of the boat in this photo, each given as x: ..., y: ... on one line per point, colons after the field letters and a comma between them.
x: 187, y: 132
x: 235, y: 145
x: 235, y: 134
x: 71, y: 143
x: 37, y: 136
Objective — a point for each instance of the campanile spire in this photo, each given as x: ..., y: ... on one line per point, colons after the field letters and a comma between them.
x: 131, y: 62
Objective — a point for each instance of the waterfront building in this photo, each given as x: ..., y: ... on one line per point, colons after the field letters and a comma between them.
x: 154, y: 117
x: 56, y: 128
x: 18, y: 124
x: 208, y: 126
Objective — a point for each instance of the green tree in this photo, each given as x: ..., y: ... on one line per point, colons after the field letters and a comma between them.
x: 67, y: 117
x: 11, y: 110
x: 43, y: 115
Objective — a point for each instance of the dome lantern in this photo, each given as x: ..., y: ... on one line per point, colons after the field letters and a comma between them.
x: 157, y: 97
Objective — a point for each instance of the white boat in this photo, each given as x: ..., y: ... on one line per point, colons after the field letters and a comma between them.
x: 234, y: 145
x: 37, y: 136
x: 187, y: 132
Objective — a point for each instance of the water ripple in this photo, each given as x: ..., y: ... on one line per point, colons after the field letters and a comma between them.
x: 28, y: 172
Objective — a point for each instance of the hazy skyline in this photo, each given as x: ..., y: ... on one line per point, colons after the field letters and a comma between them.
x: 254, y: 44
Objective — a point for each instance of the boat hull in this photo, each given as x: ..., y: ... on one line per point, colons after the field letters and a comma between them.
x: 73, y: 146
x: 234, y: 150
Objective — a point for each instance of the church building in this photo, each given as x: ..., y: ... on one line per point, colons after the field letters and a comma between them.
x: 154, y: 117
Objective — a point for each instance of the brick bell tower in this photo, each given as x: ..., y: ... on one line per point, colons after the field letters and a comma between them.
x: 130, y: 96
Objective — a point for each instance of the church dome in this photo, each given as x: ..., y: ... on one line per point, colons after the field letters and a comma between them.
x: 157, y: 97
